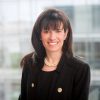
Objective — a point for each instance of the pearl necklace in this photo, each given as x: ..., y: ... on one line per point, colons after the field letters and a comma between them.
x: 49, y: 64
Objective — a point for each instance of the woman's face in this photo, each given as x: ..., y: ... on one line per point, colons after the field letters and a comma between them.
x: 53, y: 39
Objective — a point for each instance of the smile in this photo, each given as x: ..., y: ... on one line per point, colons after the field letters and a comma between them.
x: 52, y: 43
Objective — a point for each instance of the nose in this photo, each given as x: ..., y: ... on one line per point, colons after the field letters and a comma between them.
x: 52, y: 35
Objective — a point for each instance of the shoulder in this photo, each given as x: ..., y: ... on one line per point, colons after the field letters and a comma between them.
x: 78, y: 68
x: 81, y: 70
x: 27, y: 59
x: 78, y: 61
x: 77, y: 64
x: 26, y: 63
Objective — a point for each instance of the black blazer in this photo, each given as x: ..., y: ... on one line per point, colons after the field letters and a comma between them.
x: 71, y: 81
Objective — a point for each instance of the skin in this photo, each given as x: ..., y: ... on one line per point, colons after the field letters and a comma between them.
x: 53, y: 41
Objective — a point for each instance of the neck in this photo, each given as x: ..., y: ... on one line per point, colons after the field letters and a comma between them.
x: 53, y: 57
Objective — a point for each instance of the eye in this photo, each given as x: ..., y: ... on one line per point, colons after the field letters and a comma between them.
x: 58, y: 30
x: 45, y: 31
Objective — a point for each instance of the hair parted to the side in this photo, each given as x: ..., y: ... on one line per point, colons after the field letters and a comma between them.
x: 51, y: 18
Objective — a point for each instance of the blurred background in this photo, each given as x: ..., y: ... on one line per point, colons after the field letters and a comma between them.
x: 17, y: 18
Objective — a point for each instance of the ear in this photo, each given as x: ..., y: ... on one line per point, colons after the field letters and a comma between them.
x: 65, y: 34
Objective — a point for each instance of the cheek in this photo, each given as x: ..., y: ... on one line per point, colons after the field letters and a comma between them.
x: 62, y: 37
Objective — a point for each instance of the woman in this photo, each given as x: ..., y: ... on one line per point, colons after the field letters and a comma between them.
x: 52, y: 72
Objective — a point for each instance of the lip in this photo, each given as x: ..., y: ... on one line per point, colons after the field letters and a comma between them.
x: 52, y: 43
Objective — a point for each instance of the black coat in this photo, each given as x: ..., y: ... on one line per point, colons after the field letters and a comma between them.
x: 71, y: 81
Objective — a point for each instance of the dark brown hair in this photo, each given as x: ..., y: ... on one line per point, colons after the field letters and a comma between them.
x: 51, y: 18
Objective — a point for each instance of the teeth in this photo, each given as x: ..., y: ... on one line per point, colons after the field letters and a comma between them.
x: 52, y: 43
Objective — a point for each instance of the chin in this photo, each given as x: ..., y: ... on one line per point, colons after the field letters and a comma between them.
x: 53, y: 50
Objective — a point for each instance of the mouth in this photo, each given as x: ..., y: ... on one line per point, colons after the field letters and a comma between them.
x: 52, y: 43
